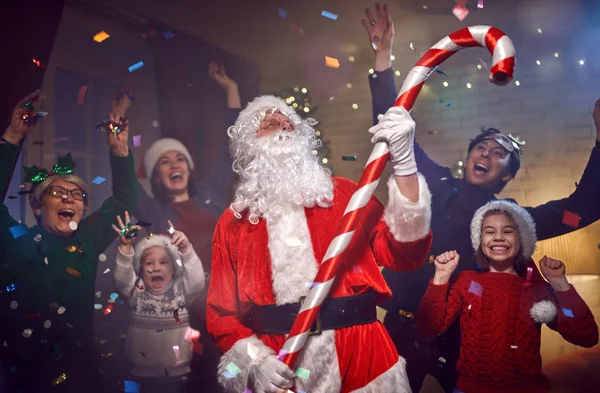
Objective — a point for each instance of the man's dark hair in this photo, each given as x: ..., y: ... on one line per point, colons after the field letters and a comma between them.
x: 514, y: 163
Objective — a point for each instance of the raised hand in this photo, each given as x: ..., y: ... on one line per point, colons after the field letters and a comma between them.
x: 445, y: 264
x: 118, y: 142
x: 18, y: 128
x: 380, y: 29
x: 179, y: 239
x: 554, y: 270
x: 218, y: 74
x: 121, y: 102
x: 597, y: 119
x: 125, y: 239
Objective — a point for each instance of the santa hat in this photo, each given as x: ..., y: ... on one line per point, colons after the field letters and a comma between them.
x: 160, y: 241
x: 160, y: 147
x: 248, y: 116
x: 521, y: 218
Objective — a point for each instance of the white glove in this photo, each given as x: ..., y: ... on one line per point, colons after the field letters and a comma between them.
x: 268, y: 374
x: 397, y: 128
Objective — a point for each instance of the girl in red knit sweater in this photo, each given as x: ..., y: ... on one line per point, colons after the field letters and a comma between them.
x: 501, y: 308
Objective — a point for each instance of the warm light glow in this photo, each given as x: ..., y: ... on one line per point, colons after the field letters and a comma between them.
x: 304, y: 90
x: 517, y: 83
x: 331, y: 98
x: 354, y: 106
x: 445, y: 84
x: 468, y: 86
x: 292, y: 98
x: 371, y: 71
x: 540, y: 31
x: 315, y: 152
x: 296, y: 89
x: 349, y: 85
x: 325, y: 160
x: 295, y: 105
x: 397, y: 73
x: 581, y: 62
x: 306, y: 109
x: 101, y: 36
x: 424, y: 7
x: 460, y: 163
x: 479, y: 66
x: 351, y: 58
x: 538, y: 62
x: 459, y: 171
x: 555, y: 54
x: 393, y: 57
x: 318, y: 133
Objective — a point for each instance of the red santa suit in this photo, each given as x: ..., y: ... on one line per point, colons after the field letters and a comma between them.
x: 275, y: 263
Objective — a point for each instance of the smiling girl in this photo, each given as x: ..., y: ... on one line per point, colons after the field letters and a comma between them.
x: 160, y: 279
x: 501, y: 308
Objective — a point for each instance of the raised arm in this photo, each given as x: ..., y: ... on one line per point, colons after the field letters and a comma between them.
x: 124, y: 273
x: 439, y: 309
x: 193, y: 272
x: 579, y: 209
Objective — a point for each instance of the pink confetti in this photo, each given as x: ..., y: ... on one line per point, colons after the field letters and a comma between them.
x: 137, y: 140
x: 60, y: 140
x: 460, y: 12
x: 297, y: 29
x: 483, y: 63
x: 480, y: 4
x: 81, y: 95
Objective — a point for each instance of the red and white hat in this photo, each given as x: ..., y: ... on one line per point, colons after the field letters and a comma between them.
x: 160, y: 147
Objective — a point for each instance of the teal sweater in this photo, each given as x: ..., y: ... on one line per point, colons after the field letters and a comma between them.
x: 38, y: 268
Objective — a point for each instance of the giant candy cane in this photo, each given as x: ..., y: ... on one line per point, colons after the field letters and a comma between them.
x: 503, y: 54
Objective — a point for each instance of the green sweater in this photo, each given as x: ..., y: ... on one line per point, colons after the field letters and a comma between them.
x: 45, y: 290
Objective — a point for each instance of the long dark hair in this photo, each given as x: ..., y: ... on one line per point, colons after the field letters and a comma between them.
x: 160, y: 192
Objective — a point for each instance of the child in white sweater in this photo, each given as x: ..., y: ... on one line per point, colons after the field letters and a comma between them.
x: 159, y: 279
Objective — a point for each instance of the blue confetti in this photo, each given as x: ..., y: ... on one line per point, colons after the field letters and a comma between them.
x: 440, y: 101
x: 137, y: 65
x: 18, y: 230
x: 329, y: 15
x: 476, y: 289
x: 282, y: 13
x: 449, y: 104
x: 568, y: 312
x: 168, y: 34
x: 132, y: 387
x: 98, y: 180
x: 98, y: 306
x: 11, y: 287
x: 114, y: 296
x: 228, y: 375
x: 440, y: 72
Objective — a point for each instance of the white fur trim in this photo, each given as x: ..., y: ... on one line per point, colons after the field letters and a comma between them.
x: 543, y: 311
x: 393, y: 380
x: 408, y: 221
x: 293, y: 263
x: 161, y: 241
x: 521, y: 217
x: 239, y: 356
x: 160, y: 147
x: 262, y: 103
x: 319, y: 356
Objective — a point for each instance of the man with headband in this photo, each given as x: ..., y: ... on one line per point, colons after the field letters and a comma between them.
x: 268, y: 245
x: 493, y: 160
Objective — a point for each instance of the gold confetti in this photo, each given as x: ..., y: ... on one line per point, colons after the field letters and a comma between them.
x: 60, y: 379
x: 101, y: 36
x: 332, y: 62
x: 406, y: 314
x: 73, y: 272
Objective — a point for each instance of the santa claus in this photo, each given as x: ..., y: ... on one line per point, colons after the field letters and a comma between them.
x: 268, y: 245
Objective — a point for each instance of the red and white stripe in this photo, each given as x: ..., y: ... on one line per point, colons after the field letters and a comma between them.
x: 503, y: 52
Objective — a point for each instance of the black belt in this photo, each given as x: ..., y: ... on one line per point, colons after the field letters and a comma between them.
x: 336, y: 313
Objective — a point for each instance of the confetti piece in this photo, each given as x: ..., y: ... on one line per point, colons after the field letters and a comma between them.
x: 296, y: 29
x: 18, y: 230
x: 406, y: 314
x: 479, y: 3
x: 460, y: 12
x: 114, y: 296
x: 107, y: 354
x: 252, y: 351
x: 61, y: 378
x: 47, y: 324
x: 101, y: 36
x: 61, y: 310
x: 46, y: 260
x: 476, y: 289
x: 282, y: 13
x: 137, y: 140
x: 131, y: 387
x: 233, y: 369
x: 329, y: 15
x: 302, y: 373
x: 171, y: 230
x: 411, y: 46
x: 135, y: 66
x: 102, y: 257
x: 348, y: 158
x: 483, y: 63
x: 73, y: 225
x: 442, y: 360
x: 440, y: 72
x: 81, y: 95
x: 332, y: 62
x: 514, y: 346
x: 281, y: 354
x: 27, y: 333
x: 37, y: 62
x: 98, y: 180
x: 431, y: 259
x: 11, y: 287
x: 106, y: 271
x: 37, y: 238
x: 448, y: 105
x: 14, y: 304
x: 109, y: 309
x: 73, y: 272
x: 168, y: 34
x: 178, y: 261
x: 569, y: 218
x: 568, y: 312
x: 60, y: 140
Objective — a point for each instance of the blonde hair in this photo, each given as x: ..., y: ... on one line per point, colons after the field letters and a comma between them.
x: 36, y: 199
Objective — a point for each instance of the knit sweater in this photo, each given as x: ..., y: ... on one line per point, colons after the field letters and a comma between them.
x: 49, y: 314
x: 155, y: 342
x: 500, y: 341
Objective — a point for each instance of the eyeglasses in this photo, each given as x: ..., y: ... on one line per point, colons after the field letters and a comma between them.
x: 61, y: 192
x: 274, y: 123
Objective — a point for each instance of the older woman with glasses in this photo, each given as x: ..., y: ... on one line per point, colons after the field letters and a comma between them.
x: 49, y: 270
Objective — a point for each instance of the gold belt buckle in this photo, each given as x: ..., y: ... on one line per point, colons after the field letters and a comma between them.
x: 318, y: 321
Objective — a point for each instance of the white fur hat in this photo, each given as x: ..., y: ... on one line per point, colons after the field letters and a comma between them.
x: 160, y: 147
x: 262, y: 103
x: 156, y: 240
x: 520, y: 216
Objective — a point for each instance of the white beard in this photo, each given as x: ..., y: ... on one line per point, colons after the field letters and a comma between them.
x: 278, y: 171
